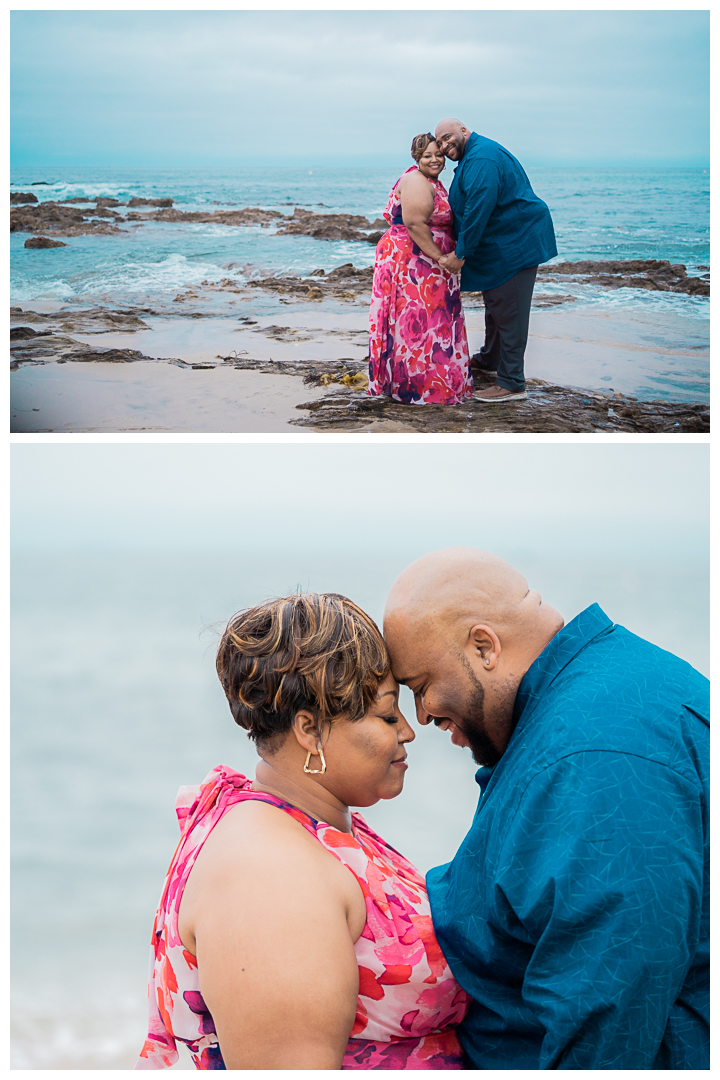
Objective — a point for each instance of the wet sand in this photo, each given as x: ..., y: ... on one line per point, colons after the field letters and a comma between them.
x: 151, y: 396
x: 625, y: 353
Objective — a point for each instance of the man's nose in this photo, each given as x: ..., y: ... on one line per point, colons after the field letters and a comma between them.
x: 423, y: 716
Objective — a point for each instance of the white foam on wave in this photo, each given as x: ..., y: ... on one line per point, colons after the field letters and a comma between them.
x: 23, y: 291
x: 166, y: 276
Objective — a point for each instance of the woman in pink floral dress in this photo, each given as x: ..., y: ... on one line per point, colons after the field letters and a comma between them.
x: 289, y: 935
x: 418, y: 343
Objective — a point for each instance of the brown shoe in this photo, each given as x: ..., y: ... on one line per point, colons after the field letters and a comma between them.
x: 497, y: 394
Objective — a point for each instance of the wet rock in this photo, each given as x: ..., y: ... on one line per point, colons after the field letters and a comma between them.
x: 18, y: 197
x: 249, y: 216
x: 40, y: 183
x: 653, y: 274
x: 43, y: 242
x: 45, y: 348
x: 109, y: 202
x: 61, y: 219
x: 546, y: 300
x: 149, y: 202
x: 548, y: 408
x: 344, y: 283
x: 88, y: 321
x: 25, y: 333
x: 327, y: 226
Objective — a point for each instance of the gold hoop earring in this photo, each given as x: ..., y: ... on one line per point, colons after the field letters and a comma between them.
x: 307, y: 762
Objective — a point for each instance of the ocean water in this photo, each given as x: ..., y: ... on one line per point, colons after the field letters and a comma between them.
x: 116, y: 704
x: 598, y: 214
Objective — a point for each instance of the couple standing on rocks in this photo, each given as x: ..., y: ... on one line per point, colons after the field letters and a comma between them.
x: 488, y: 234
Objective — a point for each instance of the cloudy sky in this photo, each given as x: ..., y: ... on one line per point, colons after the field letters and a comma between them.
x: 233, y: 88
x: 637, y: 498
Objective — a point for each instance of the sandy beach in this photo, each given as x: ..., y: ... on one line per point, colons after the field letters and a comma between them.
x: 240, y: 363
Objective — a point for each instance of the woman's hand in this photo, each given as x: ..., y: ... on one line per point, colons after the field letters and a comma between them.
x: 452, y: 264
x: 272, y: 917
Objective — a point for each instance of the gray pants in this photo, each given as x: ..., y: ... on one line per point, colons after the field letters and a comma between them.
x: 507, y: 320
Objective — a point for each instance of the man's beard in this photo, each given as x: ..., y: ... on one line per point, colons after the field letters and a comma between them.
x: 482, y: 747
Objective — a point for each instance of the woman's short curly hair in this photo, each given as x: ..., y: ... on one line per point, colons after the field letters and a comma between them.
x: 420, y: 144
x: 316, y: 651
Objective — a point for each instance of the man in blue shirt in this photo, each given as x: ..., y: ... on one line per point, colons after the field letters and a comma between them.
x: 576, y: 910
x: 503, y: 232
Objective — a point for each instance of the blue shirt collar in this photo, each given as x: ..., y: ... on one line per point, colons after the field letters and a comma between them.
x: 556, y: 655
x: 538, y: 678
x: 473, y: 139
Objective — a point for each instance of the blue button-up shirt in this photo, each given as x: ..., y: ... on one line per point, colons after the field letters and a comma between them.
x: 576, y: 911
x: 500, y: 224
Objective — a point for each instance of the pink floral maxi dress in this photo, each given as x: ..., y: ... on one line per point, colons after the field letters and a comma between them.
x: 418, y: 343
x: 408, y: 1003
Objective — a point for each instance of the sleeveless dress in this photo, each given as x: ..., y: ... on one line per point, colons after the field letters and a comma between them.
x: 408, y: 1003
x: 418, y: 344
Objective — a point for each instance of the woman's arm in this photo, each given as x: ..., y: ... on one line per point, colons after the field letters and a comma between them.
x: 417, y: 199
x: 272, y: 916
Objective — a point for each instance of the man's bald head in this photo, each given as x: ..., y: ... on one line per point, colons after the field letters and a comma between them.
x: 439, y: 593
x: 451, y: 136
x: 462, y: 628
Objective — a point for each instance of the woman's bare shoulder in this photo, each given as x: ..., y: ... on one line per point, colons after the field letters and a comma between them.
x: 257, y: 827
x: 414, y: 181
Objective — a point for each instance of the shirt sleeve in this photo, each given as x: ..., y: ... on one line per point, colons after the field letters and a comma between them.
x: 601, y: 877
x: 481, y: 182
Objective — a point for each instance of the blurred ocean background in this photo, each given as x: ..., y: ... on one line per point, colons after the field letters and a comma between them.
x: 128, y: 560
x: 599, y: 213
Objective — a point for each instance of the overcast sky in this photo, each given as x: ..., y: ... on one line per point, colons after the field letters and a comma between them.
x: 545, y: 499
x: 233, y: 88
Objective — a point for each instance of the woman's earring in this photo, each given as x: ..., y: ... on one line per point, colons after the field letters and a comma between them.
x: 307, y: 762
x: 487, y: 663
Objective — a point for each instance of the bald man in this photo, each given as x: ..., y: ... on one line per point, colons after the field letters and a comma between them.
x: 504, y: 231
x: 576, y: 911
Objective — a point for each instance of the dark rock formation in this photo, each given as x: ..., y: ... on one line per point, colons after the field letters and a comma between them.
x: 149, y: 202
x: 249, y: 216
x: 656, y: 274
x: 57, y: 348
x: 17, y: 198
x: 88, y: 321
x: 548, y: 408
x: 40, y: 183
x: 42, y: 242
x: 328, y: 226
x: 110, y: 202
x: 61, y: 219
x: 25, y: 333
x: 344, y: 283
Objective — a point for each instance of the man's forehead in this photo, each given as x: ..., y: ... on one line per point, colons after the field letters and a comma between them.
x: 414, y: 657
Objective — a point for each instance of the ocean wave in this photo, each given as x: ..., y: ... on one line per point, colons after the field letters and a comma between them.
x: 168, y: 275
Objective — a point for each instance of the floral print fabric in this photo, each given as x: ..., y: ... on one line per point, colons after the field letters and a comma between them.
x: 418, y: 343
x: 408, y: 1002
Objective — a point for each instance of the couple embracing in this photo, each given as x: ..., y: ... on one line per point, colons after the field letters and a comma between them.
x: 570, y: 931
x: 488, y: 234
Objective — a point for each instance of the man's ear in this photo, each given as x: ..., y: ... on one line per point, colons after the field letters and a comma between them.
x: 305, y: 730
x: 485, y: 644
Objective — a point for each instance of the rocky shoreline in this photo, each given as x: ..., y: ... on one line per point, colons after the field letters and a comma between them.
x: 346, y: 407
x: 68, y: 219
x: 101, y: 217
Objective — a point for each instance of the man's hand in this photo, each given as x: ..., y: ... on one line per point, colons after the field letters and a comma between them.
x: 451, y: 264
